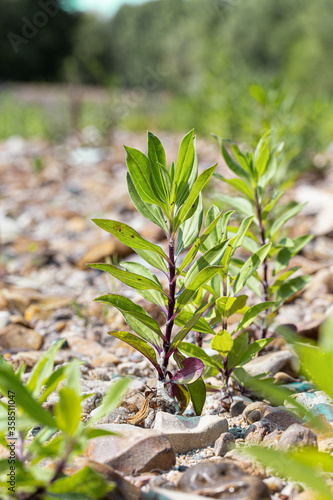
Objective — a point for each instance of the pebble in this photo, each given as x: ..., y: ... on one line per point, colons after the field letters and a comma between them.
x: 237, y: 408
x: 133, y: 451
x: 254, y: 411
x: 15, y: 335
x: 297, y: 436
x: 275, y: 484
x: 188, y: 433
x: 224, y: 443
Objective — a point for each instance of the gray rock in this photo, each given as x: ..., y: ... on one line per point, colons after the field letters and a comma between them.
x: 274, y: 362
x: 297, y: 436
x: 237, y: 408
x: 222, y: 480
x: 134, y: 451
x: 281, y: 418
x: 224, y: 443
x: 188, y: 433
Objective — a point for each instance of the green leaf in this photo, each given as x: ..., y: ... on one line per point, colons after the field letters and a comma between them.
x: 84, y: 484
x: 125, y: 305
x: 138, y: 344
x: 261, y: 155
x: 199, y: 243
x: 112, y: 398
x: 52, y: 383
x: 43, y: 368
x: 139, y: 167
x: 229, y: 305
x: 153, y: 259
x: 190, y: 229
x: 252, y: 313
x: 285, y: 254
x: 197, y: 392
x: 237, y: 184
x: 222, y: 343
x: 159, y: 173
x: 211, y: 257
x: 326, y: 337
x: 193, y: 350
x: 198, y: 186
x: 233, y: 165
x: 239, y: 348
x: 243, y: 228
x: 281, y: 279
x: 250, y: 266
x: 271, y: 204
x: 184, y: 166
x: 156, y: 151
x: 153, y: 296
x: 10, y: 382
x: 242, y: 205
x: 134, y: 280
x: 192, y: 288
x: 280, y: 221
x: 289, y: 288
x: 253, y: 349
x: 128, y: 236
x: 201, y: 325
x: 67, y: 411
x: 150, y: 212
x: 189, y: 325
x: 73, y: 375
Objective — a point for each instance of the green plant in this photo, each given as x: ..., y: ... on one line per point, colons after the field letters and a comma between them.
x: 171, y: 198
x: 34, y: 435
x: 308, y: 467
x: 224, y: 294
x: 255, y: 181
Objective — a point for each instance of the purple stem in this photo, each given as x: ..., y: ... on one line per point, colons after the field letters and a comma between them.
x: 265, y: 266
x: 171, y: 302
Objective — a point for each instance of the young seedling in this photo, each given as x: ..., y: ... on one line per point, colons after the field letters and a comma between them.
x: 255, y: 181
x: 33, y: 434
x: 171, y: 198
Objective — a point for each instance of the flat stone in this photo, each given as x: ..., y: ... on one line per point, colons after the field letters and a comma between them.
x: 222, y: 480
x: 273, y: 362
x: 18, y: 336
x: 224, y: 443
x: 189, y: 433
x: 297, y: 436
x: 136, y: 450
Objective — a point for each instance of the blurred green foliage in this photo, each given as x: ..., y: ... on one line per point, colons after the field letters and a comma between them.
x: 232, y: 67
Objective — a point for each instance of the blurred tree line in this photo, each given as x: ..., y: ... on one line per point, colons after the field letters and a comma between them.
x: 184, y: 40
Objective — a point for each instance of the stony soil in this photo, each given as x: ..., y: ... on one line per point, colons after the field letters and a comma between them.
x: 49, y: 194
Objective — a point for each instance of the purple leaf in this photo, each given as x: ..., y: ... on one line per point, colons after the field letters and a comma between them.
x: 191, y: 371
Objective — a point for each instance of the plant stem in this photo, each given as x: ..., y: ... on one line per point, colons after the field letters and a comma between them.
x: 265, y: 263
x: 171, y: 302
